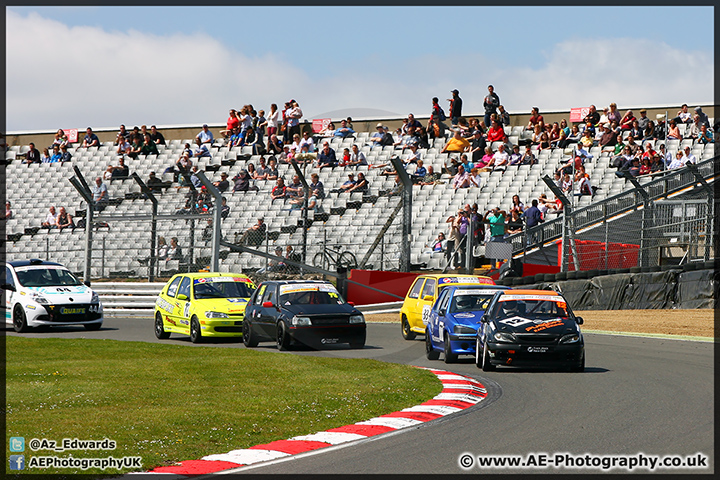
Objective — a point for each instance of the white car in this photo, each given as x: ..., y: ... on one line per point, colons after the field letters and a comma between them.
x: 40, y: 293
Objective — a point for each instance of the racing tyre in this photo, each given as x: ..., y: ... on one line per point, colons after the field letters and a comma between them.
x: 430, y: 352
x: 348, y: 260
x: 406, y: 332
x: 93, y: 326
x: 195, y: 332
x: 450, y: 357
x: 160, y: 328
x: 486, y: 365
x: 580, y: 367
x: 283, y: 339
x: 478, y: 358
x: 19, y: 320
x: 249, y: 339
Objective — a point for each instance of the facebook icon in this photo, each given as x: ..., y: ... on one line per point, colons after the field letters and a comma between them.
x: 17, y: 462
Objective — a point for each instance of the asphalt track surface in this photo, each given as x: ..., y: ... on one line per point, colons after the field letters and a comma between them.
x: 637, y: 395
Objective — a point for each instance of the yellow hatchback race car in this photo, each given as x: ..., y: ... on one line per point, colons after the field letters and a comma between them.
x: 422, y: 294
x: 203, y: 305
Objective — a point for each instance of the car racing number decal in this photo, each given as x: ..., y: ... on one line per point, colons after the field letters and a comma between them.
x: 426, y: 314
x: 515, y: 321
x: 186, y: 312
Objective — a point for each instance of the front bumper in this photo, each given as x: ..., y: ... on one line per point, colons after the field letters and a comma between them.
x: 221, y: 327
x: 72, y: 314
x: 510, y: 354
x: 328, y: 335
x: 463, y: 344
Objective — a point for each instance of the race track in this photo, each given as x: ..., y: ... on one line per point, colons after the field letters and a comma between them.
x: 637, y: 395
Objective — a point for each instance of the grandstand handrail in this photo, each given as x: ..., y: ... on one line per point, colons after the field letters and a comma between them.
x: 670, y: 183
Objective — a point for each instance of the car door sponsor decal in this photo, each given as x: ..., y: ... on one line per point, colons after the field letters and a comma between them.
x: 164, y: 305
x: 545, y: 326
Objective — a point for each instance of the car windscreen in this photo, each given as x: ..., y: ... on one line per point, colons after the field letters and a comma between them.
x: 222, y: 287
x: 468, y: 302
x: 309, y: 294
x: 532, y: 307
x: 46, y: 277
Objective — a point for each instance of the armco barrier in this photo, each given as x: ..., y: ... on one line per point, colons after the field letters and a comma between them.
x: 129, y: 299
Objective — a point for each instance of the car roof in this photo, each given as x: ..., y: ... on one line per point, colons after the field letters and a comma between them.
x: 34, y: 262
x: 291, y: 282
x: 455, y: 288
x: 548, y: 293
x: 450, y: 275
x: 211, y: 274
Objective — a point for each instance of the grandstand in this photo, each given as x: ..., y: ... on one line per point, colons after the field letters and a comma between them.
x: 32, y: 189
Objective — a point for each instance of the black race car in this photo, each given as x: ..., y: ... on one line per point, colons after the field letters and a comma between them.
x: 529, y: 328
x: 301, y: 311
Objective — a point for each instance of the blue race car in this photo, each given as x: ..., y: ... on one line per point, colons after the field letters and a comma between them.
x: 454, y: 320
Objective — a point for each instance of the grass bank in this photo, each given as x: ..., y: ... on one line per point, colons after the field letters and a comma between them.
x: 168, y: 403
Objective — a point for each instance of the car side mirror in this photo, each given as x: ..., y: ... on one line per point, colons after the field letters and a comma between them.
x: 484, y: 319
x: 579, y: 320
x: 268, y: 305
x: 428, y: 298
x: 182, y: 296
x: 8, y: 286
x: 441, y: 312
x: 86, y: 283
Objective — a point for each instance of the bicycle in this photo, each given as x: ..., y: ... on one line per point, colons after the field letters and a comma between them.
x: 334, y: 255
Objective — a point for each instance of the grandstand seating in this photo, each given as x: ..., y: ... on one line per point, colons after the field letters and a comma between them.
x: 32, y: 189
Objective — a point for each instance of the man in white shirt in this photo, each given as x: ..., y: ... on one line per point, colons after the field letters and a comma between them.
x: 51, y: 219
x: 689, y: 157
x: 500, y: 158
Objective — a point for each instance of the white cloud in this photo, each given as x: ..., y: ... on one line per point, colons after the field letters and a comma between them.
x: 61, y: 77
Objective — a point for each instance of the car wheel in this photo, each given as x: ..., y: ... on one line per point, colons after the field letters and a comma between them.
x: 478, y: 357
x: 430, y: 352
x: 160, y: 328
x: 283, y: 339
x: 450, y: 357
x: 249, y: 339
x: 195, y: 332
x: 580, y: 367
x: 359, y: 343
x: 406, y: 332
x: 93, y: 326
x: 19, y: 320
x: 486, y: 365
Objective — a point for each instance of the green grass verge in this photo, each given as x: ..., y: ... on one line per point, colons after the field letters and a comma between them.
x: 168, y: 403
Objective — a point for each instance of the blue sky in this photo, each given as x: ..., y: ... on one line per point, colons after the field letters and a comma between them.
x: 103, y: 66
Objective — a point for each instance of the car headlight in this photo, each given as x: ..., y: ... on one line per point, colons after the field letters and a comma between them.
x: 36, y: 297
x: 95, y: 298
x: 571, y: 338
x: 216, y: 315
x: 357, y: 319
x: 464, y: 329
x: 504, y: 337
x: 301, y: 321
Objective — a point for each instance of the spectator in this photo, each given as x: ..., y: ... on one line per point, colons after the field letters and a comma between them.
x: 272, y: 170
x: 683, y: 115
x: 279, y: 191
x: 346, y: 186
x: 205, y: 136
x: 326, y: 157
x: 536, y: 135
x: 64, y: 220
x: 8, y: 210
x: 316, y: 184
x: 677, y: 162
x: 477, y: 146
x: 361, y: 185
x: 121, y: 171
x: 148, y: 146
x: 295, y: 189
x: 673, y: 131
x: 455, y: 107
x: 232, y: 123
x: 544, y: 142
x: 514, y: 223
x: 486, y: 162
x: 475, y: 177
x: 643, y: 120
x: 328, y: 131
x: 293, y: 118
x: 504, y: 116
x: 500, y: 158
x: 607, y: 140
x: 51, y: 219
x: 535, y: 119
x: 156, y: 137
x: 194, y: 179
x: 436, y: 125
x: 60, y: 138
x: 626, y: 121
x: 706, y: 136
x: 396, y: 188
x: 517, y: 204
x: 32, y: 155
x: 357, y: 158
x: 201, y: 149
x: 704, y: 120
x: 254, y: 235
x: 107, y: 174
x: 431, y: 177
x: 154, y: 183
x: 533, y: 216
x: 457, y: 144
x: 495, y: 218
x: 439, y: 244
x: 241, y: 181
x: 624, y: 160
x: 275, y: 145
x: 100, y: 194
x: 567, y: 183
x: 65, y: 156
x: 649, y: 152
x: 593, y: 117
x: 613, y: 114
x: 693, y: 130
x: 583, y: 184
x: 420, y: 171
x: 689, y: 157
x: 657, y: 165
x: 496, y: 133
x: 634, y: 168
x: 135, y: 147
x: 528, y: 158
x: 344, y: 131
x: 122, y: 135
x: 90, y: 139
x: 273, y: 120
x: 645, y: 165
x: 223, y: 184
x: 174, y: 252
x: 491, y: 102
x: 56, y: 155
x: 461, y: 180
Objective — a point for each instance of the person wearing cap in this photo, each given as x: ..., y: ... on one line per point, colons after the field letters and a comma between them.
x: 643, y: 120
x: 205, y: 136
x: 241, y: 181
x: 704, y: 120
x: 477, y: 146
x: 455, y: 107
x: 379, y: 139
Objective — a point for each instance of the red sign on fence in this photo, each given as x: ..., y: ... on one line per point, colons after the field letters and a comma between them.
x: 577, y: 114
x: 320, y: 123
x: 72, y: 134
